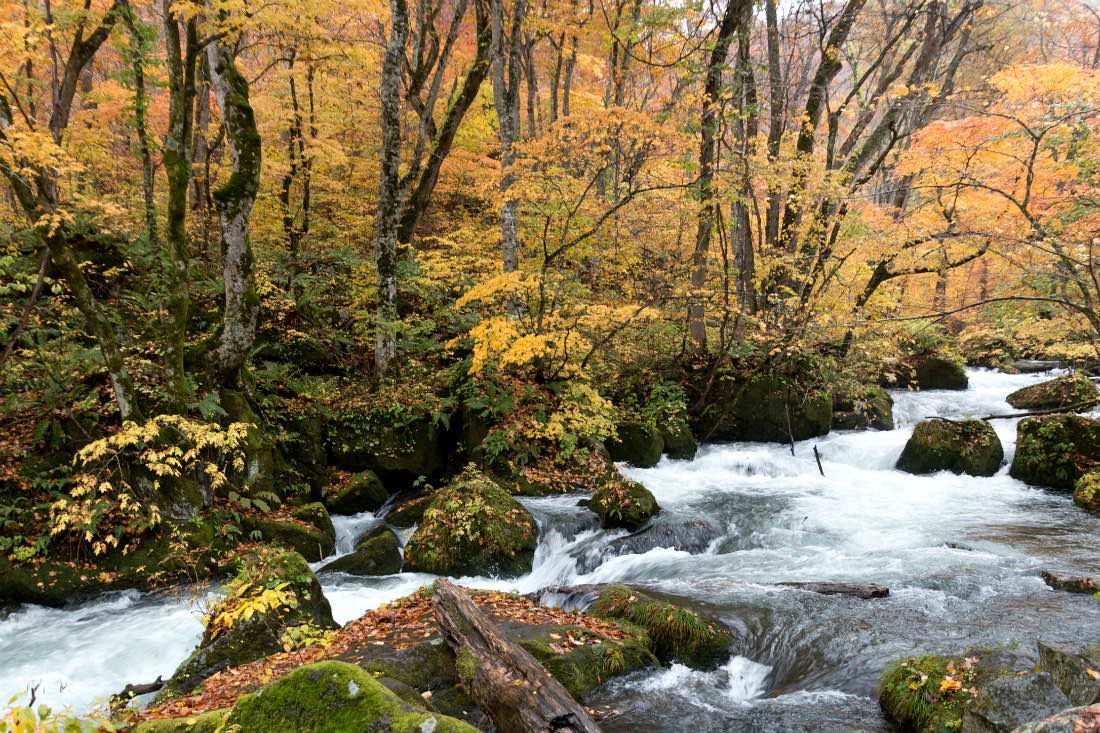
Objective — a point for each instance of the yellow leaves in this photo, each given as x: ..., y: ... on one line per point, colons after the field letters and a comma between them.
x: 501, y: 287
x: 1092, y: 673
x: 950, y: 684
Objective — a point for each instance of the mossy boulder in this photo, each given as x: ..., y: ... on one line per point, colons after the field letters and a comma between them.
x: 377, y: 553
x: 308, y: 531
x: 364, y: 493
x: 1064, y: 391
x: 621, y: 502
x: 1086, y: 492
x: 1056, y: 450
x: 398, y: 447
x: 928, y: 371
x: 1073, y: 670
x: 676, y: 633
x: 274, y: 591
x: 473, y: 527
x: 209, y: 722
x: 326, y: 697
x: 636, y: 443
x: 765, y: 408
x: 862, y: 407
x: 910, y: 693
x: 680, y: 444
x: 968, y: 446
x: 408, y: 513
x: 582, y: 660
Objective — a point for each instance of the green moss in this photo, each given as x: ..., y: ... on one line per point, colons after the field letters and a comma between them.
x: 638, y: 444
x: 211, y: 722
x: 765, y: 408
x: 1065, y: 391
x: 621, y: 502
x: 675, y: 633
x: 583, y: 668
x: 378, y: 553
x: 407, y: 444
x: 473, y: 527
x: 409, y: 513
x: 466, y: 666
x: 334, y: 697
x: 363, y: 493
x: 680, y: 444
x: 909, y: 693
x: 968, y: 446
x: 1086, y: 492
x: 313, y: 543
x: 1056, y: 450
x: 861, y: 406
x: 316, y: 514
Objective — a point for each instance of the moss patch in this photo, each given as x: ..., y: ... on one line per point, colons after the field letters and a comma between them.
x: 378, y: 553
x: 765, y: 408
x: 1056, y: 450
x: 676, y: 634
x: 968, y: 446
x: 473, y: 527
x: 680, y: 444
x: 621, y: 502
x: 1064, y: 391
x: 582, y: 660
x: 1086, y: 492
x: 638, y: 444
x: 363, y: 493
x: 863, y: 406
x: 913, y: 693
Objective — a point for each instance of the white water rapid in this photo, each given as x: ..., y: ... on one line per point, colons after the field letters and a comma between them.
x: 960, y: 554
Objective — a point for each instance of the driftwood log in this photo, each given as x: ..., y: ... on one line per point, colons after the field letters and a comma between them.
x: 129, y: 692
x: 513, y: 689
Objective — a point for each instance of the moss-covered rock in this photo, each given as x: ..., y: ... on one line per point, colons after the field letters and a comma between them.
x: 397, y: 447
x: 910, y: 693
x: 473, y: 527
x: 1073, y: 670
x: 638, y: 444
x: 862, y: 407
x: 334, y: 697
x: 928, y: 371
x: 680, y: 444
x: 274, y: 591
x: 676, y: 633
x: 1086, y: 492
x: 1064, y: 391
x: 364, y: 493
x: 765, y: 408
x: 408, y: 513
x: 581, y: 660
x: 621, y: 502
x: 968, y: 446
x: 211, y: 722
x: 309, y: 531
x: 377, y: 553
x: 1056, y: 450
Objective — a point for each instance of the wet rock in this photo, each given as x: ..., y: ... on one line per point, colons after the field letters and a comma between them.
x: 1056, y: 450
x: 1033, y: 366
x: 1064, y: 391
x: 364, y: 493
x: 680, y: 444
x: 1076, y: 720
x: 968, y: 446
x: 309, y: 532
x: 765, y: 408
x: 1074, y: 671
x: 620, y: 502
x: 398, y: 449
x: 867, y: 406
x: 377, y: 553
x: 280, y: 592
x: 1069, y: 583
x: 928, y: 371
x: 473, y: 527
x: 1086, y: 492
x: 675, y: 533
x: 638, y: 444
x: 1008, y: 701
x: 866, y: 592
x: 677, y: 633
x: 406, y: 512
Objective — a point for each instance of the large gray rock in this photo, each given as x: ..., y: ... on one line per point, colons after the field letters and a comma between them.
x: 687, y: 534
x: 1009, y: 701
x: 1070, y: 669
x: 1077, y: 720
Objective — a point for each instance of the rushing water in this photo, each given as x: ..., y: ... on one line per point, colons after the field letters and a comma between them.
x: 960, y: 554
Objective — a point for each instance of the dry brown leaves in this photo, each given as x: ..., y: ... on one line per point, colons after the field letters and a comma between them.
x: 399, y: 625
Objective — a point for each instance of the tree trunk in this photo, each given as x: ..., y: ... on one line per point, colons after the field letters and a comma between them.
x: 776, y: 112
x: 712, y: 87
x: 234, y: 202
x: 138, y: 51
x: 506, y: 67
x: 385, y: 222
x: 570, y: 67
x: 513, y: 689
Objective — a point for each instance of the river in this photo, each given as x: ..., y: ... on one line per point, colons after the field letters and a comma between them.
x: 961, y: 556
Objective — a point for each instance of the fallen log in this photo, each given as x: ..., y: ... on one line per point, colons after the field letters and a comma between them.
x: 129, y: 692
x: 513, y: 689
x: 1070, y: 583
x: 855, y: 590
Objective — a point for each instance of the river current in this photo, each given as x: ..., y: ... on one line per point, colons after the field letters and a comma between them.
x: 960, y: 554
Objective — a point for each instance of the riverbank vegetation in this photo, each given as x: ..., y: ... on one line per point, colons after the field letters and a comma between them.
x: 264, y: 261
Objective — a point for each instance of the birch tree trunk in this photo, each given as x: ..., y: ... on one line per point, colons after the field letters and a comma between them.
x: 506, y: 65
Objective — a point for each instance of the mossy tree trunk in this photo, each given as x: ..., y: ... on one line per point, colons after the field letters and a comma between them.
x: 234, y: 202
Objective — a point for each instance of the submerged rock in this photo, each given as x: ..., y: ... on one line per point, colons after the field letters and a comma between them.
x: 865, y: 591
x: 1074, y: 671
x: 674, y: 533
x: 1056, y: 450
x: 473, y: 527
x: 364, y: 493
x: 968, y: 446
x: 677, y: 633
x: 1064, y: 391
x: 868, y: 406
x: 274, y: 592
x: 638, y: 444
x: 621, y: 502
x: 376, y: 553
